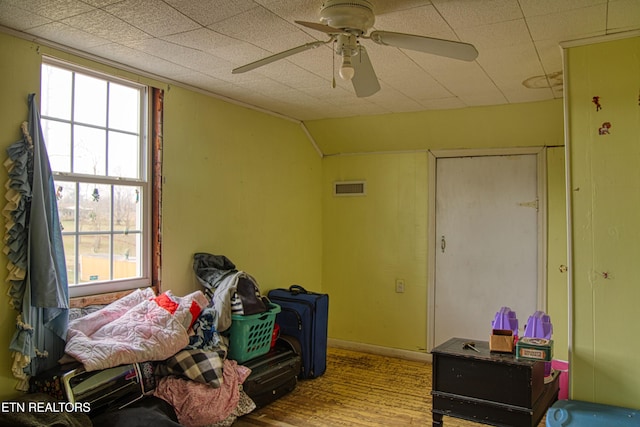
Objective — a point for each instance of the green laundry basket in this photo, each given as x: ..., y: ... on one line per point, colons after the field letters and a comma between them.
x: 250, y: 336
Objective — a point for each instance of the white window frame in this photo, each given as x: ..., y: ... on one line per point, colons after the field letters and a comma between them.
x: 145, y: 181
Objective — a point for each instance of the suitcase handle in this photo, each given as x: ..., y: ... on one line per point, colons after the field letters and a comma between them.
x: 297, y: 289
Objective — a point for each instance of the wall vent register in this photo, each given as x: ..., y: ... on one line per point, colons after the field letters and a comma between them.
x: 350, y: 188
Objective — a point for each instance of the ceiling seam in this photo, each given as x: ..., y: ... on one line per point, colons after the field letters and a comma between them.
x: 311, y: 139
x: 535, y: 47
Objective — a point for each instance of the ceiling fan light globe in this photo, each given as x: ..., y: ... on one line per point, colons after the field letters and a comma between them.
x: 347, y: 72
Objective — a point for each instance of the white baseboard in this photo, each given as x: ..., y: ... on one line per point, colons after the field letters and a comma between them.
x: 382, y: 351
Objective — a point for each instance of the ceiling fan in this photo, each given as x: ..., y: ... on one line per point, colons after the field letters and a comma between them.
x: 347, y: 22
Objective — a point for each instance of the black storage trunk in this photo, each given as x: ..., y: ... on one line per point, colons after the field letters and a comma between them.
x: 274, y: 374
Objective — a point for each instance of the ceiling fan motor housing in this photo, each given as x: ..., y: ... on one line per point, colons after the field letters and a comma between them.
x: 354, y: 16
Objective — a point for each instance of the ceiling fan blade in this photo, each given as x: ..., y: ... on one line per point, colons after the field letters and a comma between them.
x: 277, y: 56
x: 448, y: 48
x: 365, y: 82
x: 320, y: 27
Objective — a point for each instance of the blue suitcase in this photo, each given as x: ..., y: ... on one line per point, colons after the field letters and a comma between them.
x: 304, y: 316
x: 576, y: 413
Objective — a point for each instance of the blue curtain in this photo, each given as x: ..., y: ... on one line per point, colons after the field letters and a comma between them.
x: 33, y: 243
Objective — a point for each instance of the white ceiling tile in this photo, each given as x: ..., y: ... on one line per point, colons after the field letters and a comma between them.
x: 470, y: 13
x: 254, y: 25
x: 520, y: 61
x: 244, y: 78
x: 471, y: 99
x: 623, y: 15
x: 341, y: 95
x: 68, y: 36
x: 140, y: 60
x: 295, y: 76
x: 517, y: 94
x: 550, y: 55
x: 100, y: 3
x: 419, y: 86
x: 154, y: 17
x: 318, y: 61
x: 240, y: 53
x: 294, y: 10
x: 495, y: 35
x: 390, y: 100
x: 389, y: 62
x: 187, y: 57
x: 281, y: 42
x: 424, y: 21
x: 382, y: 7
x: 20, y: 19
x: 466, y: 79
x: 200, y: 80
x: 547, y: 7
x: 510, y: 76
x: 558, y: 92
x: 208, y: 12
x: 104, y: 25
x: 569, y: 25
x: 52, y: 9
x: 202, y: 39
x: 404, y: 74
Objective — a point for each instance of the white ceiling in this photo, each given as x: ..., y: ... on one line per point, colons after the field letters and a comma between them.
x: 198, y: 43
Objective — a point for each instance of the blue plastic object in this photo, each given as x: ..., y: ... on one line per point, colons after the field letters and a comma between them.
x: 576, y: 413
x: 506, y: 319
x: 538, y: 326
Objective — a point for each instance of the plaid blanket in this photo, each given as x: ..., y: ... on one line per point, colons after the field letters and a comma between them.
x: 195, y: 364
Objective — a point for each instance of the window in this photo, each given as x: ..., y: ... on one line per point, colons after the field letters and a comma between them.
x: 95, y: 129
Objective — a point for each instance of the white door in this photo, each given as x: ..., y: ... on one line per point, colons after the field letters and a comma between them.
x: 486, y: 225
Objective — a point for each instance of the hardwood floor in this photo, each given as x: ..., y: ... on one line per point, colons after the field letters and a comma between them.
x: 360, y: 390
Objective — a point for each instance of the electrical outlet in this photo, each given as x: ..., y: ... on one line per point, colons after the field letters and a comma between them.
x: 399, y: 285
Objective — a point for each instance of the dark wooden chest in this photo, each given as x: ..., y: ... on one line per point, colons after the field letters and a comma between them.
x: 491, y: 388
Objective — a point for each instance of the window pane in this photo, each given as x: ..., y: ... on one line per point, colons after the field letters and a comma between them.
x: 126, y: 262
x: 123, y: 155
x: 90, y: 100
x: 127, y: 209
x: 89, y: 150
x: 57, y: 137
x: 124, y: 108
x: 56, y: 92
x: 66, y: 195
x: 93, y: 126
x: 70, y: 257
x: 94, y: 258
x: 95, y: 209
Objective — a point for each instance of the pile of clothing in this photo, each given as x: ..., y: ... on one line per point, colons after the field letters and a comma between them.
x: 184, y: 335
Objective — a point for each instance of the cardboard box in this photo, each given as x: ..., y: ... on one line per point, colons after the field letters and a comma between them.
x: 534, y: 349
x: 501, y: 340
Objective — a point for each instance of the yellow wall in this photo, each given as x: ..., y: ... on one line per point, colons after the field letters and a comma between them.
x: 518, y: 125
x: 557, y: 275
x: 251, y: 186
x: 605, y: 220
x: 19, y: 76
x: 371, y: 241
x: 238, y: 182
x: 243, y: 184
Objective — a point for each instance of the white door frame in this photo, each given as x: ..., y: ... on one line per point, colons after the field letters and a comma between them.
x: 541, y: 155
